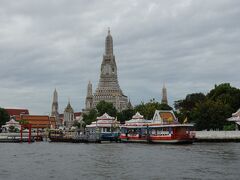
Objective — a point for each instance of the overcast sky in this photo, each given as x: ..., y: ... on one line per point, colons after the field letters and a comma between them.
x: 189, y: 45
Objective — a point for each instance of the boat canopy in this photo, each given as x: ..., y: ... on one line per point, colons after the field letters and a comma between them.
x: 164, y: 117
x: 137, y: 120
x: 235, y: 117
x: 104, y: 121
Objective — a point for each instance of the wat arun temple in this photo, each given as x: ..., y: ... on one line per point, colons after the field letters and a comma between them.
x: 108, y: 90
x: 108, y: 87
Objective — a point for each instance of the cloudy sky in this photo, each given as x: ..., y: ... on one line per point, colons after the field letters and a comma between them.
x: 189, y: 45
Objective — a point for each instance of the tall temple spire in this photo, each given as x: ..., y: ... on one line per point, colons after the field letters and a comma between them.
x: 89, y: 89
x: 55, y: 103
x: 69, y: 107
x: 108, y: 87
x: 54, y: 111
x: 129, y: 104
x: 109, y: 44
x: 164, y: 95
x: 55, y: 96
x: 89, y: 98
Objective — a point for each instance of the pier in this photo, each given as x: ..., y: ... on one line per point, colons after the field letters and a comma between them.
x: 16, y: 137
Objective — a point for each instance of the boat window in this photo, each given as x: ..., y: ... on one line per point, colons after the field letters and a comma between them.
x: 143, y: 131
x: 153, y: 131
x: 103, y: 129
x: 123, y: 130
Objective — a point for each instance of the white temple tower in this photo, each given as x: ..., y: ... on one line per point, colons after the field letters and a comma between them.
x: 68, y: 115
x: 108, y: 88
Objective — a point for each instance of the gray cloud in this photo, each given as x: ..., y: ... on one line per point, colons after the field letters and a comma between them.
x: 189, y: 45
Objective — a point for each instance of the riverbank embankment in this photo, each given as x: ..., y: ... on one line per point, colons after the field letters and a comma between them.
x: 217, y: 136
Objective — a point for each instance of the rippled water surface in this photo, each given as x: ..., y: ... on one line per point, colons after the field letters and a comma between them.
x: 63, y: 161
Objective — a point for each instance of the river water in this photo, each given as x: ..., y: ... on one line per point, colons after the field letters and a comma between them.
x: 66, y: 161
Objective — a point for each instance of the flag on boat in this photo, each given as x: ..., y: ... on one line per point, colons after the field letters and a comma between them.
x: 185, y: 120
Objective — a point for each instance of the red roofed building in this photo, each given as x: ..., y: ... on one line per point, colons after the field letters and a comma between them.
x: 16, y: 111
x: 39, y: 121
x: 76, y: 114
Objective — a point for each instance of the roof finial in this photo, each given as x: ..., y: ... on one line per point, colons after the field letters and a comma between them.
x: 108, y: 30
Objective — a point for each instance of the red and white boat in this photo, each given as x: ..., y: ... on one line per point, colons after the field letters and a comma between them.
x: 135, y: 129
x: 163, y: 128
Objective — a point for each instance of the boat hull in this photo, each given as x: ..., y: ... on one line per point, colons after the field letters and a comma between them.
x: 133, y: 139
x: 61, y: 139
x: 109, y: 137
x: 168, y: 139
x: 172, y: 141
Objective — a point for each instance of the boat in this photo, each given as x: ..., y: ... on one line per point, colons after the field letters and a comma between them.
x: 59, y: 135
x: 135, y: 130
x: 163, y: 128
x: 105, y: 127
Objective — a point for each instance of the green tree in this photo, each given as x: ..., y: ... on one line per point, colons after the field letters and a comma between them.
x: 76, y: 124
x: 212, y: 110
x: 101, y: 108
x: 148, y: 109
x: 106, y: 107
x: 211, y: 115
x: 90, y: 117
x: 4, y: 116
x: 125, y: 115
x: 226, y: 94
x: 184, y: 107
x: 229, y: 127
x: 190, y: 101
